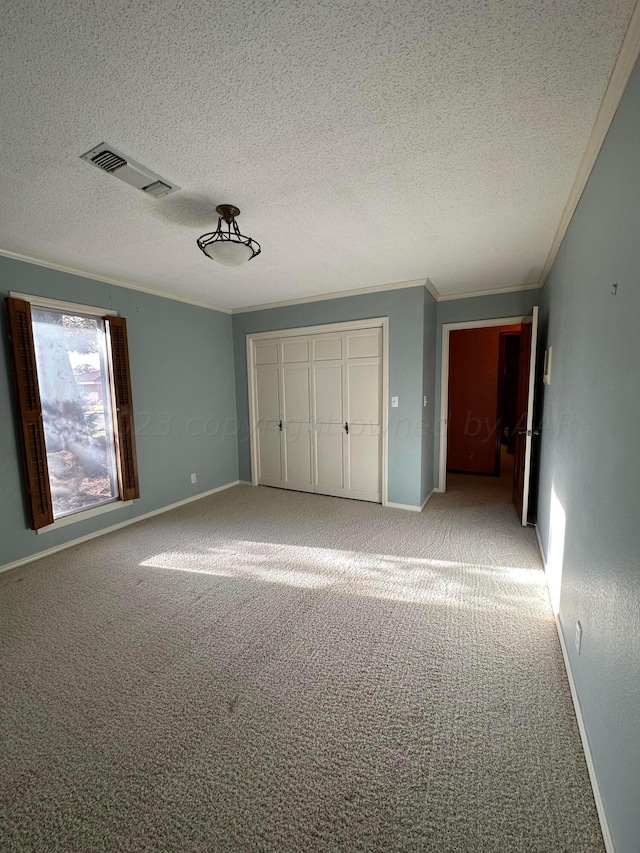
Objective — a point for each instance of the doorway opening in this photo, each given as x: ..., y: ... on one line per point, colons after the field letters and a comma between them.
x: 487, y: 390
x: 483, y: 388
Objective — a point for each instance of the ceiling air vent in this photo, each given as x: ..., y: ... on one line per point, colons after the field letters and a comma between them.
x: 157, y: 188
x: 110, y: 160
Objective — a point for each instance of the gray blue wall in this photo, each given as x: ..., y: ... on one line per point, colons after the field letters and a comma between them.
x: 183, y: 391
x: 406, y: 311
x: 590, y: 461
x: 516, y: 304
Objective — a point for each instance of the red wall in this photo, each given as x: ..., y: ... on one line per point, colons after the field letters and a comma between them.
x: 473, y: 398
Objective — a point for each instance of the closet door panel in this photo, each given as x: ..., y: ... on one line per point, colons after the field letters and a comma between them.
x: 363, y: 397
x: 268, y: 393
x: 294, y: 350
x: 270, y: 453
x: 364, y: 344
x: 328, y: 403
x: 297, y: 457
x: 266, y: 352
x: 296, y: 394
x: 364, y: 462
x: 328, y: 347
x: 329, y: 458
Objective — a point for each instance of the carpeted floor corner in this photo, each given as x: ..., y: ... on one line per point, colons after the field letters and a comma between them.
x: 273, y: 671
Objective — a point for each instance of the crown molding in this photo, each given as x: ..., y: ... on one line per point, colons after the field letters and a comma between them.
x: 106, y: 280
x: 338, y: 294
x: 433, y: 290
x: 422, y: 282
x: 494, y: 291
x: 625, y: 63
x: 321, y: 297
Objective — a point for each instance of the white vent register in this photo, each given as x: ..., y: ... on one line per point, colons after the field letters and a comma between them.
x: 115, y: 163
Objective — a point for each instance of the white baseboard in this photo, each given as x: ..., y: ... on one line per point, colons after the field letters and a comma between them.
x: 243, y: 483
x: 543, y: 556
x: 597, y: 796
x: 426, y: 500
x: 411, y: 507
x: 112, y: 527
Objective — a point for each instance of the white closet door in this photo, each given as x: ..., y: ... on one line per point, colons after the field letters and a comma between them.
x: 295, y: 357
x: 328, y: 414
x: 363, y: 397
x: 267, y: 387
x: 347, y: 373
x: 319, y: 413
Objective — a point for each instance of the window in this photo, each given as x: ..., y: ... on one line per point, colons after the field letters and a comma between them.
x: 76, y: 415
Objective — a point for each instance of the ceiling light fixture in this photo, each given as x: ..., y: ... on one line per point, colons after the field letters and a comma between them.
x: 226, y: 244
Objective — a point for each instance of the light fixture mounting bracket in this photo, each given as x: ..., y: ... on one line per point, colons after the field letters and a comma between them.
x: 228, y: 212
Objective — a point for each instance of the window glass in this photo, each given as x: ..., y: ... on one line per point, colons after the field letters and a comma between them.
x: 75, y: 392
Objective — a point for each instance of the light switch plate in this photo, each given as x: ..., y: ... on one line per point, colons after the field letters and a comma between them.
x: 394, y: 402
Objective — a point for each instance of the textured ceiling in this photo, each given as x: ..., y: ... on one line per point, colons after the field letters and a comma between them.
x: 365, y: 142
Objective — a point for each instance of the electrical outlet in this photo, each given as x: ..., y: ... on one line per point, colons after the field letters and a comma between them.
x: 425, y: 401
x: 194, y: 479
x: 578, y: 637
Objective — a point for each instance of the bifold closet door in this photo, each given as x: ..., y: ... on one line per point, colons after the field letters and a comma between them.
x: 329, y: 449
x: 295, y: 359
x: 347, y: 374
x: 319, y: 413
x: 363, y: 403
x: 268, y: 405
x: 283, y: 401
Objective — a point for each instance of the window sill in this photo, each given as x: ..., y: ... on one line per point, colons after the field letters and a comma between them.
x: 85, y: 514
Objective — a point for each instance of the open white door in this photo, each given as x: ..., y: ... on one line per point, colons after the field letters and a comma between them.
x: 524, y: 435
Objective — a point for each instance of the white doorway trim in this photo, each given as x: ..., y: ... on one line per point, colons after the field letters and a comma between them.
x: 352, y: 325
x: 444, y: 382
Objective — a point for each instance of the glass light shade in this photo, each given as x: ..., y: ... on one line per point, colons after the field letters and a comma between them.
x: 228, y: 252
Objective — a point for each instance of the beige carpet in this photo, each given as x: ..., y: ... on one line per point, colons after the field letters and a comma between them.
x: 270, y: 671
